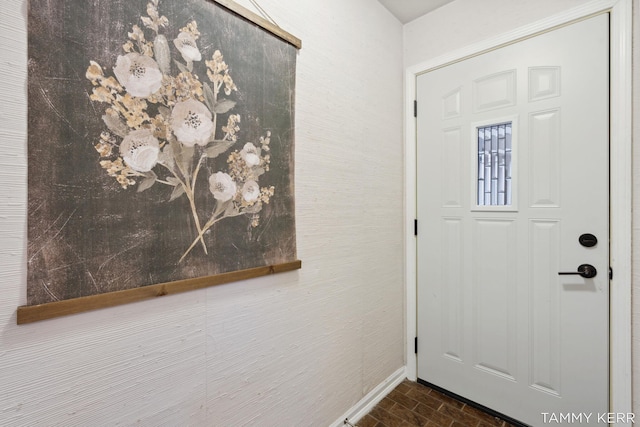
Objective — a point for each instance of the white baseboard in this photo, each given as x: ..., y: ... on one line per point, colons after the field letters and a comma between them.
x: 372, y: 398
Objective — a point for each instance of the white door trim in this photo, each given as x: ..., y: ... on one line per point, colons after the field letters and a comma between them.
x: 620, y: 176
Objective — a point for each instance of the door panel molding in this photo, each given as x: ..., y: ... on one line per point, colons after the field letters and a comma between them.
x: 620, y: 179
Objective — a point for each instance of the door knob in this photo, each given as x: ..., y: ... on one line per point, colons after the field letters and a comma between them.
x: 588, y: 240
x: 585, y: 270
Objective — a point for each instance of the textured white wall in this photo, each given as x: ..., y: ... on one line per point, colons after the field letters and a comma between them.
x: 464, y: 22
x: 294, y: 349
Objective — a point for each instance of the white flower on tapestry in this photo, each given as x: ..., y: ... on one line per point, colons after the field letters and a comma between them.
x: 186, y: 44
x: 140, y: 150
x: 162, y: 125
x: 191, y: 122
x: 222, y: 186
x: 139, y: 74
x: 250, y: 191
x: 250, y: 154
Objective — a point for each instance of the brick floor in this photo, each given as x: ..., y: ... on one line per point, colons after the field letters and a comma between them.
x: 411, y: 404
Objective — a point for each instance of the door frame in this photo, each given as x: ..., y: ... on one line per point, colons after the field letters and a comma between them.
x: 620, y: 362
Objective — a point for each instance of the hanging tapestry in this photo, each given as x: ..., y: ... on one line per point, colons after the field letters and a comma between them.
x: 160, y: 147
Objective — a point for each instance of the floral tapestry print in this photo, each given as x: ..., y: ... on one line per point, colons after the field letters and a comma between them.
x: 160, y: 145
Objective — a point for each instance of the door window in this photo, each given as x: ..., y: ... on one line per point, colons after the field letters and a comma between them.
x: 494, y: 165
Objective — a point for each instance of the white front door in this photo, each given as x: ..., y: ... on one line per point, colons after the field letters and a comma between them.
x: 513, y: 188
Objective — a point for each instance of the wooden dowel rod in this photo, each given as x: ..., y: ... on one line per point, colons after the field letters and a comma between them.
x: 35, y: 313
x: 261, y: 22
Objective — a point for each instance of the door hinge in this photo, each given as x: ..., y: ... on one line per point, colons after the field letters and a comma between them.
x: 415, y: 345
x: 610, y: 273
x: 415, y: 227
x: 415, y: 108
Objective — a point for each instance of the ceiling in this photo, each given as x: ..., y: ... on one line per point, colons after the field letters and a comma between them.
x: 408, y: 10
